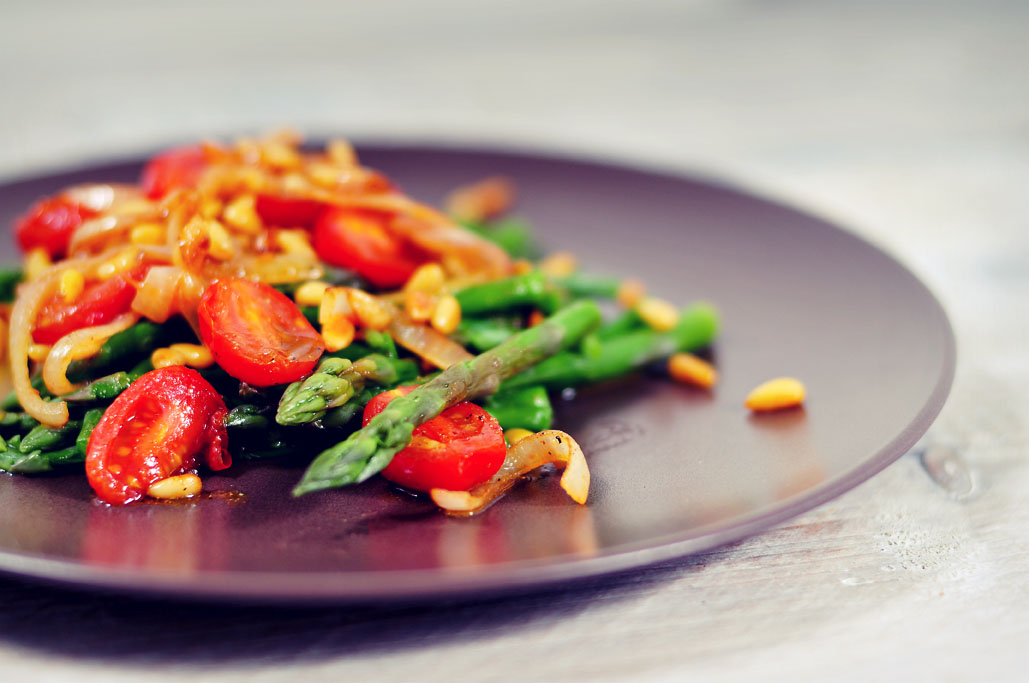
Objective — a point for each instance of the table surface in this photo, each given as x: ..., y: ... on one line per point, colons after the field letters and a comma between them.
x: 908, y: 123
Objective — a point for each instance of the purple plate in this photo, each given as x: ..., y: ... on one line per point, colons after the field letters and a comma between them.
x: 675, y: 470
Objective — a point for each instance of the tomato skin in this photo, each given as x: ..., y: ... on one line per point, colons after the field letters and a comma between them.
x: 287, y: 211
x: 155, y: 429
x: 256, y: 333
x: 99, y: 303
x: 358, y: 240
x: 456, y: 450
x: 49, y: 223
x: 172, y: 169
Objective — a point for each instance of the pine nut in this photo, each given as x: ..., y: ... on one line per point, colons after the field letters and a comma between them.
x: 176, y: 488
x: 776, y: 394
x: 688, y: 369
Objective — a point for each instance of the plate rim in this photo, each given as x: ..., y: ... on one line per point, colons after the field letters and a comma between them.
x: 417, y: 585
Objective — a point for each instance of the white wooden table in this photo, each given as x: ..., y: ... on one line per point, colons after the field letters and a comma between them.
x: 908, y: 123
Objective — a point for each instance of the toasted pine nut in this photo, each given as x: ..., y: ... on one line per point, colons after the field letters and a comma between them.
x: 688, y: 369
x: 71, y: 284
x: 293, y: 241
x: 630, y: 292
x: 174, y: 488
x: 221, y: 246
x: 369, y: 311
x: 419, y: 305
x: 657, y: 313
x: 338, y: 333
x: 447, y: 314
x: 521, y: 267
x: 193, y: 355
x: 428, y: 278
x: 776, y: 394
x: 210, y: 207
x: 147, y: 233
x: 118, y: 263
x: 324, y: 175
x: 36, y: 261
x: 559, y: 264
x: 39, y: 352
x: 241, y: 214
x: 165, y: 357
x: 335, y: 303
x: 310, y: 293
x: 280, y: 156
x: 341, y: 153
x: 516, y: 434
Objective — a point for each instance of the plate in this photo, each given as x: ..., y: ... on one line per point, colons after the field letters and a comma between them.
x: 675, y: 470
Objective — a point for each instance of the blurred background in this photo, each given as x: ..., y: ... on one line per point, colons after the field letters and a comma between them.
x: 908, y: 121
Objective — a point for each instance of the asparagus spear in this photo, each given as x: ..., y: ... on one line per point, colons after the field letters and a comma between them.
x: 9, y: 279
x: 89, y: 423
x: 583, y: 284
x: 617, y: 356
x: 141, y: 338
x: 531, y: 289
x: 370, y: 449
x: 36, y: 462
x: 246, y: 416
x: 102, y: 389
x: 334, y: 382
x: 484, y: 333
x: 43, y: 438
x: 528, y: 408
x: 511, y: 234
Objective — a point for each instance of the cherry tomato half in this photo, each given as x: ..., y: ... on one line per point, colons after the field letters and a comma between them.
x: 49, y: 224
x: 170, y: 170
x: 359, y: 240
x: 257, y: 334
x: 287, y: 212
x: 156, y: 429
x: 99, y: 303
x: 460, y: 448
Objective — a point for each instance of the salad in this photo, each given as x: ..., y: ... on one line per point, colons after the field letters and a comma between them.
x: 257, y: 300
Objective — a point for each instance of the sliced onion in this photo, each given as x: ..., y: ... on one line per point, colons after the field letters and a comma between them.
x: 26, y: 307
x: 102, y: 196
x: 77, y: 345
x: 427, y: 343
x: 532, y: 452
x: 155, y: 298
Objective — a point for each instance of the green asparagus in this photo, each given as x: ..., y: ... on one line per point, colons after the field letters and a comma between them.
x: 371, y: 448
x: 527, y: 408
x: 89, y: 423
x: 37, y: 462
x: 9, y: 279
x: 121, y: 348
x: 617, y: 356
x: 484, y: 333
x: 246, y: 416
x: 337, y: 380
x: 519, y: 291
x: 103, y: 389
x: 43, y: 438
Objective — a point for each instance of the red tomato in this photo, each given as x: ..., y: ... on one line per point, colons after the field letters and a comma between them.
x: 460, y: 448
x: 359, y: 240
x: 257, y: 334
x: 287, y: 211
x: 170, y: 170
x: 49, y: 224
x: 156, y: 429
x: 99, y: 303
